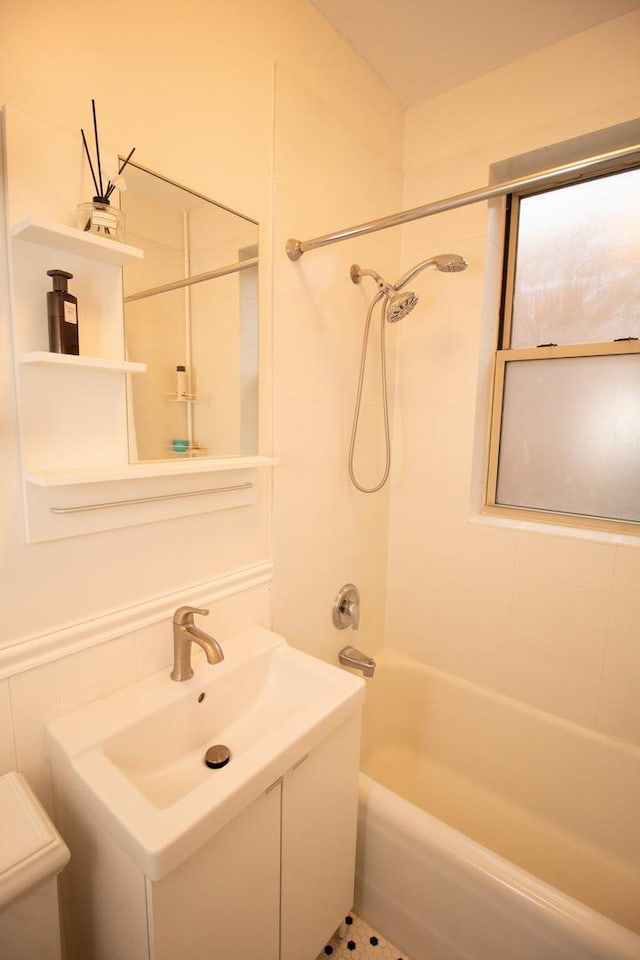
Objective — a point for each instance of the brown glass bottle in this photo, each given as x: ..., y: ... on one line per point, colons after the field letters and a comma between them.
x: 62, y: 310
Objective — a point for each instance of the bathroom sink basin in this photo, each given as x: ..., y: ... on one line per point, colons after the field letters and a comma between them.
x: 163, y: 753
x: 136, y: 759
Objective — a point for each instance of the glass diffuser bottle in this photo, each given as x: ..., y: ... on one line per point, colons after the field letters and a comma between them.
x: 100, y: 217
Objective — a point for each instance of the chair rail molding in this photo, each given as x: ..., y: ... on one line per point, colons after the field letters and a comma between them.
x: 29, y: 652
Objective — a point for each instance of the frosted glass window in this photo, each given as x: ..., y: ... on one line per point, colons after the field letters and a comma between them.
x: 577, y: 278
x: 565, y: 436
x: 570, y: 436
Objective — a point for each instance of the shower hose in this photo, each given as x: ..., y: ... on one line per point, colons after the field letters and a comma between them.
x: 385, y: 402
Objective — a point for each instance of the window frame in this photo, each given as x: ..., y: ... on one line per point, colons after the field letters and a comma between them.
x: 504, y: 355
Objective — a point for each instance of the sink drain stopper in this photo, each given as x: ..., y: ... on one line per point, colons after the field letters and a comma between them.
x: 217, y: 756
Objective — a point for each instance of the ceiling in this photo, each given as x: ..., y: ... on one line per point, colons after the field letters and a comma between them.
x: 420, y: 48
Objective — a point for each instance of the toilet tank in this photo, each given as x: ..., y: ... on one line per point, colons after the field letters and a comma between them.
x: 32, y: 853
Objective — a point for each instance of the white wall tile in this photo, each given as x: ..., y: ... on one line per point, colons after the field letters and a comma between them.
x: 79, y: 679
x: 567, y: 693
x: 155, y: 648
x: 326, y: 533
x: 622, y: 659
x: 238, y: 612
x: 35, y: 699
x: 460, y: 649
x: 626, y: 575
x: 619, y: 710
x: 305, y: 612
x: 563, y: 626
x: 7, y: 745
x: 118, y: 663
x: 565, y: 560
x: 306, y: 442
x: 434, y: 444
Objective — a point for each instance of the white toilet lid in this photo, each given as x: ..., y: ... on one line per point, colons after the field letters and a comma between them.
x: 30, y: 846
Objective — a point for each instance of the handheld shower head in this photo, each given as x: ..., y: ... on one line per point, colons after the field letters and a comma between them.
x: 445, y: 262
x: 396, y: 305
x: 450, y: 263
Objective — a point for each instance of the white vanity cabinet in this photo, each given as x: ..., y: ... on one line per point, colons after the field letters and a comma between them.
x: 223, y: 901
x: 319, y: 803
x: 273, y: 884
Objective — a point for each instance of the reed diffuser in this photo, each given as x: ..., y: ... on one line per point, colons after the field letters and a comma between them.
x: 98, y: 216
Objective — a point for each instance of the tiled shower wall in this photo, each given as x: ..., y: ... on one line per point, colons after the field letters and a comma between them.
x: 550, y: 618
x: 325, y: 532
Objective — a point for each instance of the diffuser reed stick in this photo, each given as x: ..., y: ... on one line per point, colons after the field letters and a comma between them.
x: 95, y: 134
x: 112, y: 186
x: 86, y: 150
x: 96, y: 215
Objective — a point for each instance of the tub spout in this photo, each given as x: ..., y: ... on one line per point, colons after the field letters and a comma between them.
x: 350, y: 657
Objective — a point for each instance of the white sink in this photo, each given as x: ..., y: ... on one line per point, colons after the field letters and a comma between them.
x: 135, y: 759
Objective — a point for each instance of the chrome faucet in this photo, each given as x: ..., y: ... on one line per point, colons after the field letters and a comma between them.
x: 185, y: 633
x: 350, y: 657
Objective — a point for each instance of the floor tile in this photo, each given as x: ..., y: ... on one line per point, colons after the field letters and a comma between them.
x: 360, y: 942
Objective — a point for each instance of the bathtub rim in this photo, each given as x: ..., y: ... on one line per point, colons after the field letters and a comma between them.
x: 458, y: 852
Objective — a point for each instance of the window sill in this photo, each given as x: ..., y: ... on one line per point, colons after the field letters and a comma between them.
x: 493, y: 517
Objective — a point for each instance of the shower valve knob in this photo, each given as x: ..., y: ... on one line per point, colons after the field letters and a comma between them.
x: 346, y: 607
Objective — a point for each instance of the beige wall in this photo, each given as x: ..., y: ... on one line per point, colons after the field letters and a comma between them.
x: 550, y: 619
x: 192, y: 87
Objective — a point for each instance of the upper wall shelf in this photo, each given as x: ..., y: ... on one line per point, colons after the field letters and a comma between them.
x: 73, y: 417
x: 72, y: 240
x: 44, y: 358
x: 145, y: 470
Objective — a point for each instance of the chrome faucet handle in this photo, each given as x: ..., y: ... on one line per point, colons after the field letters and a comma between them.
x: 346, y: 607
x: 351, y: 609
x: 184, y: 615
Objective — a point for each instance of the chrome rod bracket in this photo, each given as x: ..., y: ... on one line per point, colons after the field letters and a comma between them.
x: 294, y: 249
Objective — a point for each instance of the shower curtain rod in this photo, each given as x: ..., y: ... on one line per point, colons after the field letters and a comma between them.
x: 554, y: 175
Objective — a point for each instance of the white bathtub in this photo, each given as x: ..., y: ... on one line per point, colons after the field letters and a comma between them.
x: 490, y: 830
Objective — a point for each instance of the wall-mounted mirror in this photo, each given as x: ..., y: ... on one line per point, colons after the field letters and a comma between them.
x: 191, y: 314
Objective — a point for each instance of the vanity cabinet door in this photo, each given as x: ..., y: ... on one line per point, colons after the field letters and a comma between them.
x: 319, y: 818
x: 222, y: 902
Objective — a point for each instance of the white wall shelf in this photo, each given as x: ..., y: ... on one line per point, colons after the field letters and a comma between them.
x: 71, y: 240
x: 73, y: 420
x: 145, y: 471
x: 44, y: 358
